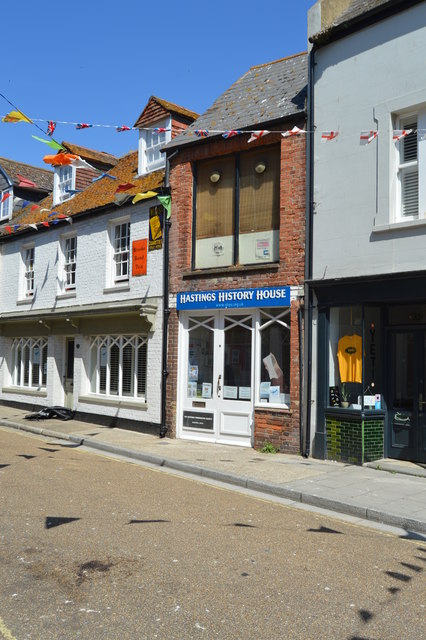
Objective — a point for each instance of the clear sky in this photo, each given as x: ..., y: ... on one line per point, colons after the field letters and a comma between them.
x: 99, y: 62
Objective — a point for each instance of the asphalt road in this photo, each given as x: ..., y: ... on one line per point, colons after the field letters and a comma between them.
x: 97, y: 548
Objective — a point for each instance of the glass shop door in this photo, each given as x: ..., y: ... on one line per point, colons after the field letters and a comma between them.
x: 216, y: 377
x: 407, y: 395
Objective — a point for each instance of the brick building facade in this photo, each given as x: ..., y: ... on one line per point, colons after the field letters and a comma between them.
x: 275, y: 422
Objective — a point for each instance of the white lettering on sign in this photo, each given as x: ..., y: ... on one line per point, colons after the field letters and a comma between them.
x: 270, y: 294
x: 230, y: 296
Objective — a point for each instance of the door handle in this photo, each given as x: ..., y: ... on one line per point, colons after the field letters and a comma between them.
x: 218, y: 386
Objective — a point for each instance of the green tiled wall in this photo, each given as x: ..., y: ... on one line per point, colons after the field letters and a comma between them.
x: 354, y: 439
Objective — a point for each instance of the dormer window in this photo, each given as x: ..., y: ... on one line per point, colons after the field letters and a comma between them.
x: 151, y: 140
x: 64, y: 184
x: 6, y: 203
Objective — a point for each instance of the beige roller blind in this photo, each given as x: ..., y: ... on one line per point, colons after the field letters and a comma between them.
x: 259, y: 192
x: 215, y: 200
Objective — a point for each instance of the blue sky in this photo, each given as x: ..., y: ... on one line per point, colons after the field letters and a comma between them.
x: 99, y: 63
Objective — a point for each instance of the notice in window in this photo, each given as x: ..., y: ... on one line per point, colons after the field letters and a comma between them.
x: 263, y: 249
x: 139, y: 255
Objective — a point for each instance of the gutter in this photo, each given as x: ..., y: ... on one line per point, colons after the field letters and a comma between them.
x: 307, y: 354
x: 166, y: 309
x: 366, y: 19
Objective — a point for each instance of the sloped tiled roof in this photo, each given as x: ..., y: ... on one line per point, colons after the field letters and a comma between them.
x: 266, y: 93
x: 99, y: 194
x: 359, y: 9
x: 43, y: 178
x: 91, y: 154
x: 149, y: 112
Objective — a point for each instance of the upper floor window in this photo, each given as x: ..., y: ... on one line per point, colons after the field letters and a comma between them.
x: 6, y: 203
x: 69, y: 248
x: 121, y: 252
x: 64, y: 183
x: 237, y: 211
x: 150, y: 142
x: 28, y: 263
x: 408, y: 170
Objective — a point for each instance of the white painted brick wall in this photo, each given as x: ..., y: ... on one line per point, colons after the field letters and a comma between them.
x: 93, y: 248
x: 92, y: 278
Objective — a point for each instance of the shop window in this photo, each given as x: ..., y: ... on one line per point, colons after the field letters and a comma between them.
x: 275, y: 357
x: 237, y: 209
x: 118, y: 366
x: 200, y: 357
x: 354, y: 357
x: 29, y: 362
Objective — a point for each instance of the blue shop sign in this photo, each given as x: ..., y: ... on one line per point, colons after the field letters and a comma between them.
x: 234, y: 298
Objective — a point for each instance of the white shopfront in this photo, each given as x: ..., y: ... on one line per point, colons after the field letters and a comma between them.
x: 234, y: 354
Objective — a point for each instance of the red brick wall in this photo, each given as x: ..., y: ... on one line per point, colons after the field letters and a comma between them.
x: 278, y: 426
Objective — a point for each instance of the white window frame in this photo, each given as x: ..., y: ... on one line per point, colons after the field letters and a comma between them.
x: 407, y: 209
x: 149, y: 156
x: 67, y: 279
x: 60, y: 184
x: 266, y: 317
x: 27, y: 354
x: 28, y: 271
x: 108, y: 377
x: 119, y: 251
x: 6, y: 207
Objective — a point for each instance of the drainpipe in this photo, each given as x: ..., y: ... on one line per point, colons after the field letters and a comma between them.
x: 166, y: 308
x: 307, y: 357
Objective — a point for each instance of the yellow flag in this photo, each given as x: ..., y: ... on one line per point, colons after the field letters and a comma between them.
x: 143, y: 196
x: 16, y: 116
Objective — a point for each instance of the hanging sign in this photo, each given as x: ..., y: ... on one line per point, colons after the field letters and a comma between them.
x: 139, y: 255
x: 234, y: 298
x: 155, y: 227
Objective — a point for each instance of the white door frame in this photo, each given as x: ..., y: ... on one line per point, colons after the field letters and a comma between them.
x: 233, y: 419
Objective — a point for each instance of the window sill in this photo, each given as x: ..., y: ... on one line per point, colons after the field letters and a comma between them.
x: 67, y: 294
x: 112, y: 402
x: 118, y: 287
x: 29, y: 300
x: 396, y: 226
x: 264, y: 266
x: 26, y: 391
x: 267, y: 406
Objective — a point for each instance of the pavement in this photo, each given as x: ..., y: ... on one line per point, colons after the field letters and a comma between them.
x: 389, y: 492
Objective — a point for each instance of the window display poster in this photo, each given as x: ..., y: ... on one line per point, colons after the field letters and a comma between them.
x: 244, y: 393
x: 264, y: 390
x: 274, y: 393
x: 230, y: 392
x: 207, y: 390
x: 193, y: 372
x: 192, y: 389
x: 263, y: 248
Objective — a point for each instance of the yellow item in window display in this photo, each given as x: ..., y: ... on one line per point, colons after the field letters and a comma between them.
x: 349, y: 355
